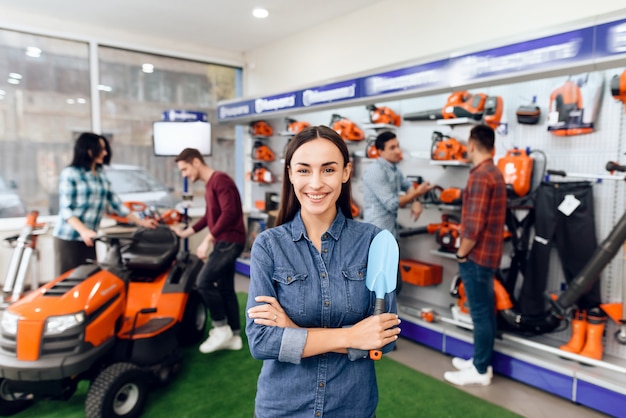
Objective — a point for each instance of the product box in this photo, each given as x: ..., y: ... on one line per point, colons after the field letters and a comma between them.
x: 419, y: 273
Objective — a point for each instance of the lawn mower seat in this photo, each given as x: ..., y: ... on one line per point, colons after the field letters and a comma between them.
x: 152, y: 252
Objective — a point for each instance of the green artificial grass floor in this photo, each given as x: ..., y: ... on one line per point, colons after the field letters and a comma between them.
x: 223, y: 385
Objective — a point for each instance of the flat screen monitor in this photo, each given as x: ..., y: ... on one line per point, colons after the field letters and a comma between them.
x: 170, y: 138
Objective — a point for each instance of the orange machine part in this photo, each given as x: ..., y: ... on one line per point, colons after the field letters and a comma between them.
x: 295, y: 126
x: 261, y: 128
x: 347, y: 129
x: 568, y: 94
x: 517, y: 168
x: 384, y: 115
x: 419, y: 273
x: 449, y: 150
x: 262, y: 152
x: 464, y: 104
x: 618, y: 88
x: 494, y: 108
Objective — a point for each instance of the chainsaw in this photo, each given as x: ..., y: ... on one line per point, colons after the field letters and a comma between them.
x: 445, y: 148
x: 383, y: 115
x: 347, y: 129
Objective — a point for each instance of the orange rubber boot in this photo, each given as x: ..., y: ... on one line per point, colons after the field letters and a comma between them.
x: 579, y: 334
x: 595, y: 331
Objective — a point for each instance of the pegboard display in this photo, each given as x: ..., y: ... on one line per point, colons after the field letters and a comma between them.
x: 575, y: 154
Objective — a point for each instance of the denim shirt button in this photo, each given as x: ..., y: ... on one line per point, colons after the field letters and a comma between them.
x: 318, y: 414
x: 325, y: 236
x: 289, y: 279
x: 321, y: 384
x: 325, y: 250
x: 323, y: 275
x: 326, y: 303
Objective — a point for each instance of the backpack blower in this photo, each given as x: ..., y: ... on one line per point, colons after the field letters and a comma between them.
x: 517, y: 169
x: 383, y: 115
x: 347, y: 129
x: 261, y: 174
x: 463, y: 104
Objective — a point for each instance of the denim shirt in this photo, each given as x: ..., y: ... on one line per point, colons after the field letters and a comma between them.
x: 382, y: 183
x: 317, y: 290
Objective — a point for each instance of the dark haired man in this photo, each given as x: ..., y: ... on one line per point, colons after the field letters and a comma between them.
x: 382, y: 183
x: 224, y: 219
x: 479, y: 254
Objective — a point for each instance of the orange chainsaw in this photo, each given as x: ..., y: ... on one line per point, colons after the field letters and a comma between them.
x: 295, y: 126
x: 262, y: 152
x: 383, y: 115
x: 347, y: 129
x: 445, y: 148
x: 260, y: 128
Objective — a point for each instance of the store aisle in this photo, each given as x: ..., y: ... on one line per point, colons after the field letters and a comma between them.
x: 510, y: 394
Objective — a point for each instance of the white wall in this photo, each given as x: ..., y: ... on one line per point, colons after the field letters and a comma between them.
x: 392, y: 32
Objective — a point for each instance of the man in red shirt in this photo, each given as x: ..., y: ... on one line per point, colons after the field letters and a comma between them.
x: 482, y: 223
x: 216, y: 280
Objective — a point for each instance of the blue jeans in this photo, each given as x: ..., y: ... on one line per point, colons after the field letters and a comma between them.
x: 478, y: 284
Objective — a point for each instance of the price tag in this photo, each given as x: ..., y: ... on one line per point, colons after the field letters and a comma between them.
x: 569, y: 204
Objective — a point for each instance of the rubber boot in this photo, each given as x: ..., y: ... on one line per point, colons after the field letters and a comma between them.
x: 596, y: 321
x: 579, y: 334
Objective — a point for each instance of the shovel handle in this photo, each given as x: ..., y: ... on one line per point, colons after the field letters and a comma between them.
x: 379, y: 308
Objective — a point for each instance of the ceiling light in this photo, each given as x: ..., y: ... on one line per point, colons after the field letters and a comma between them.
x: 103, y: 87
x: 16, y: 76
x: 2, y: 92
x: 13, y: 81
x: 147, y: 68
x: 81, y: 100
x: 70, y: 101
x: 260, y: 13
x: 33, y: 52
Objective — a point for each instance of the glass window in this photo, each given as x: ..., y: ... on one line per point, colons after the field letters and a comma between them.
x: 136, y: 88
x: 44, y: 101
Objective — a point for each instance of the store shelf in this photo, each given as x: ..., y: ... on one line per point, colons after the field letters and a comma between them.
x: 534, y: 360
x: 377, y: 126
x: 444, y: 254
x: 458, y: 121
x: 448, y: 163
x: 286, y: 133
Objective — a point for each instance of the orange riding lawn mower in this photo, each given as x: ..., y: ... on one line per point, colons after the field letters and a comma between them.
x: 118, y: 323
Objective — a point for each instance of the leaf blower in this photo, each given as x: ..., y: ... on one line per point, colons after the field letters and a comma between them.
x: 502, y: 298
x: 569, y: 114
x: 445, y: 148
x: 262, y: 152
x: 383, y: 115
x: 260, y: 128
x: 295, y: 126
x: 618, y: 88
x: 347, y: 129
x: 447, y: 233
x: 440, y: 196
x: 261, y: 174
x: 463, y: 104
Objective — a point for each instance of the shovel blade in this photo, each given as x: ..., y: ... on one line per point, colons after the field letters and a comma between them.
x: 382, y: 264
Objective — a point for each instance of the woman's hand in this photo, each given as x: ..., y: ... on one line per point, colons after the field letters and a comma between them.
x: 374, y: 332
x: 270, y: 314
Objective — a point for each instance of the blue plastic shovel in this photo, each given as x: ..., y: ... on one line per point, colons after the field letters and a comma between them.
x: 382, y: 273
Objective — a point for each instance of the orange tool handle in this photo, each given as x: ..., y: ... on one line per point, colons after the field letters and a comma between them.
x: 379, y: 308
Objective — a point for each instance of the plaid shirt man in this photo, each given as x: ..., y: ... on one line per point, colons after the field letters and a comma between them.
x: 483, y: 214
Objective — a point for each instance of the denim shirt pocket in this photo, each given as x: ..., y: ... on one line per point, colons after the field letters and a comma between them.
x: 357, y: 293
x: 291, y: 291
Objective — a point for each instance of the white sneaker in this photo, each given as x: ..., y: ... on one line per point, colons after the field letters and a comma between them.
x: 469, y: 376
x: 462, y: 364
x: 234, y: 343
x: 219, y: 337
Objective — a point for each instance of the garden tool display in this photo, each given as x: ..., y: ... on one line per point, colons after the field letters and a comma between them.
x: 382, y: 273
x: 260, y: 128
x: 575, y: 104
x: 618, y: 88
x: 501, y: 296
x: 261, y: 174
x: 445, y: 148
x: 262, y: 152
x: 295, y: 126
x: 347, y: 129
x: 383, y: 115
